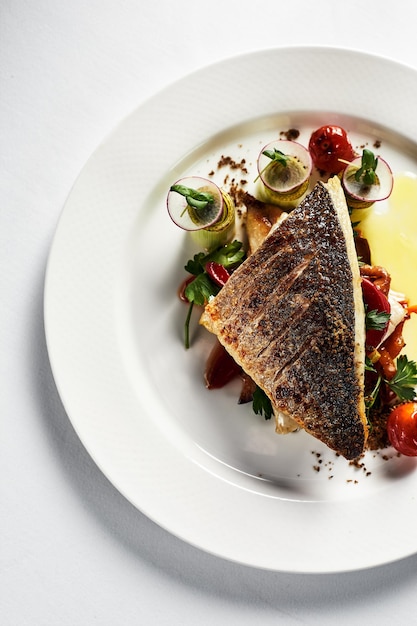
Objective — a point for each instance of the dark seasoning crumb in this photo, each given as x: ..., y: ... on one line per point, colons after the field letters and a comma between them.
x: 235, y: 183
x: 377, y: 144
x: 292, y: 134
x: 234, y: 165
x: 358, y: 464
x: 321, y: 464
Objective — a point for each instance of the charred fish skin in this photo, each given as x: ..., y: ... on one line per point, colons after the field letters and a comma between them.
x: 287, y: 316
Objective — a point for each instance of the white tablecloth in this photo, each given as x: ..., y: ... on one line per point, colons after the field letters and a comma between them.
x: 74, y: 552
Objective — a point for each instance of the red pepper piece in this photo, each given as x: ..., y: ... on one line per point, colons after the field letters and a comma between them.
x: 375, y: 301
x: 217, y: 272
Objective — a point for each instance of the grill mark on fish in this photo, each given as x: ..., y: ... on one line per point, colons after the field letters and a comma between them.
x: 282, y: 334
x: 275, y: 318
x: 268, y: 301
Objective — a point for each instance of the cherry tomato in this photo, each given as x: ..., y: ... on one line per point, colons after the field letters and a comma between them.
x: 327, y: 145
x: 375, y: 300
x: 402, y: 428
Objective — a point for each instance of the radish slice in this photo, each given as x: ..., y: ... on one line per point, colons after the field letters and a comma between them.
x: 358, y: 190
x: 201, y: 209
x: 288, y: 173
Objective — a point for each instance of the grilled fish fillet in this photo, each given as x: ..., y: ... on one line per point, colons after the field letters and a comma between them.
x: 292, y: 316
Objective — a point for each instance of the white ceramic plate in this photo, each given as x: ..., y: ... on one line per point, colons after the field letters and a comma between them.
x: 206, y: 469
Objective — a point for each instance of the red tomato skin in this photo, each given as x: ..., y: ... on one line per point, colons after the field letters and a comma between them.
x: 375, y: 301
x: 402, y: 428
x: 327, y: 145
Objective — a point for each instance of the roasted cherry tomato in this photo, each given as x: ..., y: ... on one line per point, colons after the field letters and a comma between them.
x: 327, y: 145
x: 402, y: 428
x: 375, y: 300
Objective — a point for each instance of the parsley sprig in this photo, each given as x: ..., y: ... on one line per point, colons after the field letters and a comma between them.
x: 405, y: 380
x: 230, y: 256
x: 202, y: 288
x: 376, y: 320
x: 403, y: 384
x: 261, y: 404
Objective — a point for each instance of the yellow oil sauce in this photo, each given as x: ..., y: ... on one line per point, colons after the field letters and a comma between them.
x: 391, y: 229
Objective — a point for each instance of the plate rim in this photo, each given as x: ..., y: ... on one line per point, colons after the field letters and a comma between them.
x: 67, y: 227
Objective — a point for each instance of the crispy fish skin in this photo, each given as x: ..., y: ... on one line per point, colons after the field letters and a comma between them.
x: 292, y: 316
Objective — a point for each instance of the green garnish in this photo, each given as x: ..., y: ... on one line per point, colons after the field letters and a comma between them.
x: 276, y: 156
x: 371, y: 397
x: 261, y: 404
x: 404, y: 382
x: 195, y: 199
x: 366, y: 173
x: 202, y: 288
x: 230, y: 256
x: 376, y: 320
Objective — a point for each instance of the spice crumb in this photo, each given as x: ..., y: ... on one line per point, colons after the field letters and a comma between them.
x: 291, y: 134
x: 234, y: 165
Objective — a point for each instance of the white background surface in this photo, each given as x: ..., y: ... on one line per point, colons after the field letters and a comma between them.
x: 73, y: 551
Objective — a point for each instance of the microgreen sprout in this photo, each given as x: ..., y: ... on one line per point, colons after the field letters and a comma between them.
x: 261, y: 404
x: 195, y: 199
x: 276, y: 156
x: 366, y: 173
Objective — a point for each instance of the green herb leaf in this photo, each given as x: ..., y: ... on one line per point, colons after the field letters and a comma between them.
x: 194, y: 198
x: 405, y: 380
x: 197, y: 292
x: 187, y: 326
x: 196, y: 265
x: 229, y: 255
x: 366, y: 173
x: 371, y: 397
x: 369, y: 366
x: 261, y: 404
x: 376, y: 320
x: 201, y: 289
x: 277, y: 155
